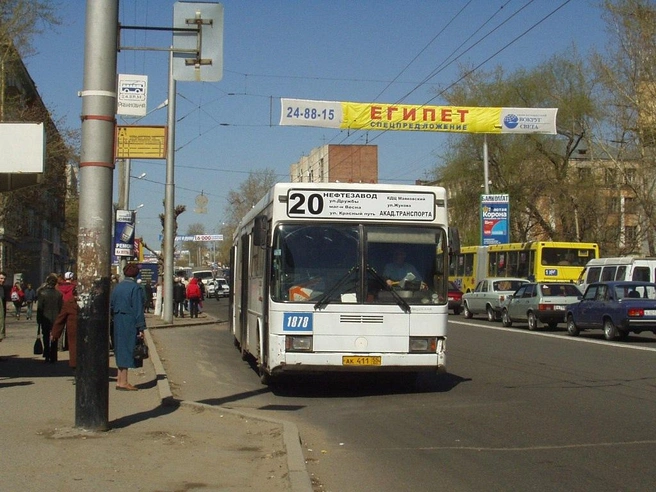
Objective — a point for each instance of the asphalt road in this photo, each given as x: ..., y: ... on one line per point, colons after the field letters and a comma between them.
x: 518, y: 410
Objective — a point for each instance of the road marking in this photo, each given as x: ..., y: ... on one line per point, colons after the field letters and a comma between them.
x: 605, y: 343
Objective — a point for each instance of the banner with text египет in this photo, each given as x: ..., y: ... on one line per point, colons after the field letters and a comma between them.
x: 405, y: 117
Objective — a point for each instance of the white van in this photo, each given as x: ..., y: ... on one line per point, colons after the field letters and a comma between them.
x: 621, y: 268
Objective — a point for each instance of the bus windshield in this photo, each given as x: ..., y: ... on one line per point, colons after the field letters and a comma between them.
x: 354, y: 263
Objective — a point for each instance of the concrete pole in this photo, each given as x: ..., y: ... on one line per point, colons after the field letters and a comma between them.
x: 95, y: 221
x: 169, y: 201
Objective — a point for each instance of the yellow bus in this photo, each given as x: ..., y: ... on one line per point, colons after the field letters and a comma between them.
x: 539, y: 261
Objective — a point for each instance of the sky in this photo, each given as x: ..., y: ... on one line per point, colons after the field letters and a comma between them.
x: 335, y: 50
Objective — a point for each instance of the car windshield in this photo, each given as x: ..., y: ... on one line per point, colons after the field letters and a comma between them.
x: 350, y: 263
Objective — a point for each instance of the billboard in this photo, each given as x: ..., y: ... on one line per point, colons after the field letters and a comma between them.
x: 495, y: 219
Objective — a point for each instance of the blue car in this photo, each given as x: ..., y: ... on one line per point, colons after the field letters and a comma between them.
x: 617, y: 308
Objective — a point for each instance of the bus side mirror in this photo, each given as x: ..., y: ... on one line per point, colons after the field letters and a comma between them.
x: 260, y: 228
x: 454, y: 241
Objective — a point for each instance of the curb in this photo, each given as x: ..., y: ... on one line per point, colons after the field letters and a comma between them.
x: 299, y: 477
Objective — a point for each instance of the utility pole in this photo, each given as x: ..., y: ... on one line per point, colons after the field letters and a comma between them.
x: 95, y: 222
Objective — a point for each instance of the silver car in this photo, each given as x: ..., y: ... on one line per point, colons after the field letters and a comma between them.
x: 544, y: 302
x: 488, y: 296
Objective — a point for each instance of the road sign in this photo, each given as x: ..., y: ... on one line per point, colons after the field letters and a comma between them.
x: 140, y: 142
x: 198, y: 42
x: 132, y: 95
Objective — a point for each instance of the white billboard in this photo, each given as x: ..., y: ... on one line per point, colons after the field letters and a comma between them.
x: 22, y: 147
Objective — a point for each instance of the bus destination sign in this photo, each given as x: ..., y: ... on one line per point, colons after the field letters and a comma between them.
x: 359, y: 205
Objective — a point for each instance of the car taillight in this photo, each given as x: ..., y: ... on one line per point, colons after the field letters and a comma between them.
x: 545, y: 307
x: 636, y: 313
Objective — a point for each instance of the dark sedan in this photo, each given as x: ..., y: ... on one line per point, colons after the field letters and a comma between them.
x: 617, y: 308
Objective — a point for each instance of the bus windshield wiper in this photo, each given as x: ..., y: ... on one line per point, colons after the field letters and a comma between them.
x: 325, y: 298
x: 399, y: 300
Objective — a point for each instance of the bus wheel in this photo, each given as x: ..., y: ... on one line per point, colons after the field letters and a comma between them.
x: 610, y: 330
x: 265, y: 378
x: 468, y: 313
x: 572, y: 329
x: 505, y: 319
x: 532, y: 321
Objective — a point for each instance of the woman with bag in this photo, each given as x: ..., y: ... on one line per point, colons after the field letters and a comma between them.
x: 127, y: 308
x: 49, y: 304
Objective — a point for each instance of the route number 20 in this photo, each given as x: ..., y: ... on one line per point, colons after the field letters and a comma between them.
x: 301, y: 204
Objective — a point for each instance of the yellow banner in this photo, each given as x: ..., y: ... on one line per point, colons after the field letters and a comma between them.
x: 405, y: 117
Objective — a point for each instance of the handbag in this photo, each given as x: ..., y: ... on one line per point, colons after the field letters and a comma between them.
x: 38, y: 344
x: 140, y: 350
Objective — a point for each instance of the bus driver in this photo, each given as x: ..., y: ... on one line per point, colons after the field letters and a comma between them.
x: 398, y: 269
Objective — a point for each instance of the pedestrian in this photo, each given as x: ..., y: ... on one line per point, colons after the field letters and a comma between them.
x: 67, y: 318
x: 30, y: 297
x: 17, y: 296
x: 148, y: 288
x: 49, y: 304
x: 67, y: 285
x: 193, y: 294
x: 3, y: 307
x: 179, y: 296
x: 127, y: 309
x: 201, y: 286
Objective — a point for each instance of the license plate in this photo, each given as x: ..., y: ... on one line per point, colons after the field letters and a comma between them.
x: 559, y: 308
x: 369, y: 360
x: 650, y: 312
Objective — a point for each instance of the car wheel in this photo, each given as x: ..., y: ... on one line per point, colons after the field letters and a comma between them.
x: 468, y: 313
x: 505, y: 319
x: 572, y: 329
x: 532, y: 321
x: 491, y: 315
x: 610, y: 330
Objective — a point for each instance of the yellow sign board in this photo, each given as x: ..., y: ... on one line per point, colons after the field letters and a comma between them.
x: 140, y: 142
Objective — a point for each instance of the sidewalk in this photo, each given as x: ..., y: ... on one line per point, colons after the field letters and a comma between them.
x: 155, y: 443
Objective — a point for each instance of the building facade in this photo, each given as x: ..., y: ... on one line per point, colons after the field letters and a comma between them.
x: 33, y: 206
x: 337, y: 164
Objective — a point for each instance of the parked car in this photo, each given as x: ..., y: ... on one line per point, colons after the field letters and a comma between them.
x: 544, y: 302
x: 488, y: 295
x: 222, y: 288
x: 617, y: 308
x: 455, y: 298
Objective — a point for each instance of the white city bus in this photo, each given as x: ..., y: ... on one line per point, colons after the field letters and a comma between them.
x: 312, y: 288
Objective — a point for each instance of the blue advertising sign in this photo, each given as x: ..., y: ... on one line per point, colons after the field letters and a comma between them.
x: 495, y: 219
x: 124, y: 233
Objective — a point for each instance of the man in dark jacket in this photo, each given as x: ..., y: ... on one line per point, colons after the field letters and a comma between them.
x: 49, y: 304
x: 179, y: 296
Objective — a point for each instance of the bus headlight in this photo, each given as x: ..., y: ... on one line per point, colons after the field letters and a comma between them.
x: 423, y: 344
x: 298, y: 343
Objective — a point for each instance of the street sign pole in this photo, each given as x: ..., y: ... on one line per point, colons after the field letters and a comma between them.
x: 95, y: 217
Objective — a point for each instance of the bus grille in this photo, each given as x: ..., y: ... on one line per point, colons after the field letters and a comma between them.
x: 357, y: 318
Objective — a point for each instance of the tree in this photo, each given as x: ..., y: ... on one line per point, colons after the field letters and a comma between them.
x: 243, y: 199
x: 195, y: 247
x: 627, y: 73
x: 179, y: 209
x: 535, y: 170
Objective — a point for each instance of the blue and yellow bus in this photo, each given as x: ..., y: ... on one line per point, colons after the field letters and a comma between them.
x: 539, y: 261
